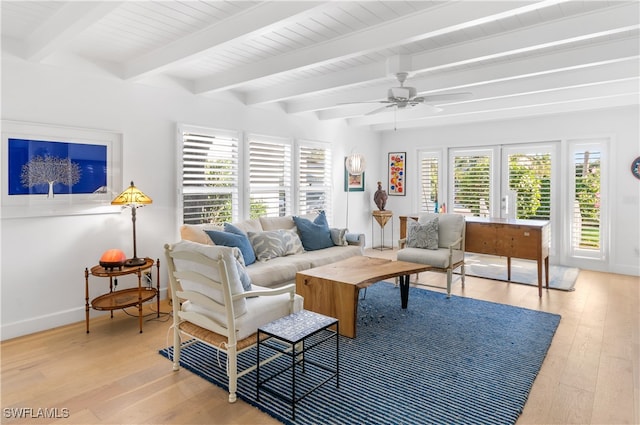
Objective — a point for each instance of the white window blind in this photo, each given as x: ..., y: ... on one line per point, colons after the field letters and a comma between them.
x: 429, y: 171
x: 471, y: 184
x: 586, y: 229
x: 270, y: 177
x: 530, y: 178
x: 315, y: 180
x: 209, y: 176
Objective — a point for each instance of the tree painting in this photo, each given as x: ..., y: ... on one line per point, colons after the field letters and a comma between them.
x: 38, y: 167
x: 50, y: 170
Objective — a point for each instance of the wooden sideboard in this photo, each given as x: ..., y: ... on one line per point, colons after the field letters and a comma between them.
x: 526, y: 239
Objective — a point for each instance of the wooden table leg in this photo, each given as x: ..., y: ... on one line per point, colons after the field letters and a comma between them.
x: 86, y: 296
x: 546, y: 270
x: 158, y: 285
x: 539, y: 262
x: 140, y: 298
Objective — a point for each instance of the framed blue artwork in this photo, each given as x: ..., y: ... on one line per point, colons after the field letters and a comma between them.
x: 48, y: 170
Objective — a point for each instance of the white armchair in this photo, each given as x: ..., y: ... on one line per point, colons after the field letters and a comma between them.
x: 210, y: 304
x: 443, y: 251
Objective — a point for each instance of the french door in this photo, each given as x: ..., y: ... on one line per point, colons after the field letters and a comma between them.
x: 510, y: 181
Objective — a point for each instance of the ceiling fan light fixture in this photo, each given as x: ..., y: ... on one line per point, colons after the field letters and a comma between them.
x: 401, y: 93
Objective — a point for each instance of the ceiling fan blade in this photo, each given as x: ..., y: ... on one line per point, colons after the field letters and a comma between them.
x: 434, y: 98
x: 375, y: 111
x: 363, y: 103
x: 421, y: 104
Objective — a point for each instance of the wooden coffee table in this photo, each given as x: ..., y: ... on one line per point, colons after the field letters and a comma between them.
x: 333, y: 289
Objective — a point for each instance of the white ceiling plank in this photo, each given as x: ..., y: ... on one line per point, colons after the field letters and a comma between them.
x: 495, y: 47
x: 620, y: 50
x: 318, y: 84
x: 242, y: 26
x: 560, y: 32
x: 63, y: 26
x: 446, y: 18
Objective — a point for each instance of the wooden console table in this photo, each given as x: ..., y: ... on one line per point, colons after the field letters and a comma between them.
x: 526, y: 239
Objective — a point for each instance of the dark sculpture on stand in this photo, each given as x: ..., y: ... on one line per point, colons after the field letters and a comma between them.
x: 380, y: 197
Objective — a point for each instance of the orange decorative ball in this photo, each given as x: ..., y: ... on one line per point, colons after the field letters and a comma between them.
x: 112, y: 258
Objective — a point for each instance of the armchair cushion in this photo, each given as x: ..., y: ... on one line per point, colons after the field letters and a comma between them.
x: 450, y: 227
x: 260, y: 311
x: 423, y: 235
x: 213, y: 252
x: 436, y: 258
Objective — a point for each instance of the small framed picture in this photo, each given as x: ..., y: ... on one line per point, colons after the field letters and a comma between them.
x: 353, y: 182
x: 397, y: 173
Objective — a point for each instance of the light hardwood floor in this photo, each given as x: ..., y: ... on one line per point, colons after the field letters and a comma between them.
x: 114, y: 374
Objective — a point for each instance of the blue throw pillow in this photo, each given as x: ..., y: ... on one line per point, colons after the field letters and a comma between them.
x: 314, y: 235
x: 232, y: 239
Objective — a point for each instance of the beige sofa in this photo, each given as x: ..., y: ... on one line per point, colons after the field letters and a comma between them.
x: 280, y: 270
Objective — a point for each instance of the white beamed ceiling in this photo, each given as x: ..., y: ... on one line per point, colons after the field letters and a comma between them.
x: 516, y: 58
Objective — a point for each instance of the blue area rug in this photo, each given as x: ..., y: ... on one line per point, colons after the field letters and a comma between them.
x: 441, y: 361
x: 522, y: 271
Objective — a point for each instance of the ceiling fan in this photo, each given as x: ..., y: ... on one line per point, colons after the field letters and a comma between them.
x: 406, y: 97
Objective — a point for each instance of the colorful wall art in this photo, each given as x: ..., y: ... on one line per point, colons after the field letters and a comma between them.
x: 397, y: 172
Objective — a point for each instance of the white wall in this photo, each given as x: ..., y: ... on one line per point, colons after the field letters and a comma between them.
x: 43, y: 259
x: 621, y: 125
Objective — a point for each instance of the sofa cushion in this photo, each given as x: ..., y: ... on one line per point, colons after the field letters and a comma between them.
x: 331, y: 255
x: 240, y: 241
x: 252, y: 225
x: 196, y: 232
x: 276, y: 223
x: 338, y: 236
x: 275, y: 243
x: 423, y: 235
x: 314, y: 235
x: 279, y: 270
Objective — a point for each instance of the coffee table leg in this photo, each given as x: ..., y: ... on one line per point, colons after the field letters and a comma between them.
x: 404, y: 290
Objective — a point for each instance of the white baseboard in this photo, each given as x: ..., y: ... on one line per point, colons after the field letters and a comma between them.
x: 50, y: 321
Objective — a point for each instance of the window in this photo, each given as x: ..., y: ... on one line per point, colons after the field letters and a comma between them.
x: 314, y: 176
x: 279, y: 177
x: 209, y: 176
x: 270, y: 177
x: 472, y: 188
x: 530, y: 179
x: 586, y: 197
x: 430, y: 192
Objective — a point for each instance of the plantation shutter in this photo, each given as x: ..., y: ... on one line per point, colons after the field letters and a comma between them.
x: 209, y: 177
x: 270, y: 177
x: 429, y: 169
x: 471, y: 183
x: 585, y: 229
x: 530, y: 178
x: 314, y: 171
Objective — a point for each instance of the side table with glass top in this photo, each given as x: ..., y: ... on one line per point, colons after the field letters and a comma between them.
x: 123, y: 298
x: 295, y: 336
